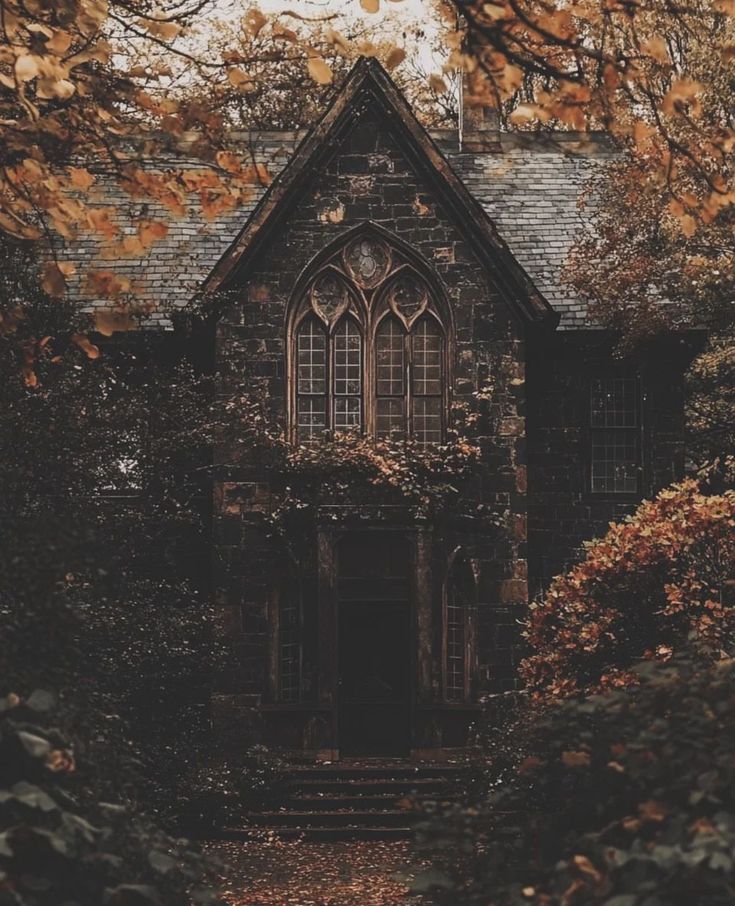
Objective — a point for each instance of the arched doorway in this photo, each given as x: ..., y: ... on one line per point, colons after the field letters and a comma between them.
x: 374, y: 643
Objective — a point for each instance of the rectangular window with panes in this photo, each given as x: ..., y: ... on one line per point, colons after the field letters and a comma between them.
x: 615, y: 436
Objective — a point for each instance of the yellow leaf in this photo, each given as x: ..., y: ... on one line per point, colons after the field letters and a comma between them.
x: 370, y: 6
x: 656, y: 48
x: 338, y: 40
x: 59, y: 43
x: 396, y: 55
x: 26, y: 67
x: 166, y: 31
x: 319, y: 71
x: 494, y: 10
x: 240, y: 80
x: 688, y: 225
x: 55, y: 88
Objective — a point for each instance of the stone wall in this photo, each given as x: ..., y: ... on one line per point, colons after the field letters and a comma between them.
x: 370, y: 178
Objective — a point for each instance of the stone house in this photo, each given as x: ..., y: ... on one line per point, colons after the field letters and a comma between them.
x: 386, y: 282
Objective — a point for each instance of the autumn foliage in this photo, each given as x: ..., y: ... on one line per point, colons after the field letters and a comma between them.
x: 619, y: 799
x: 657, y: 577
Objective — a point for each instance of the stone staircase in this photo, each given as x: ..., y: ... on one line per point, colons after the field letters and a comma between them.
x: 365, y: 800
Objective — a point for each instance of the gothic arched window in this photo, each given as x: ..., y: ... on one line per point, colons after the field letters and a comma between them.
x: 368, y: 348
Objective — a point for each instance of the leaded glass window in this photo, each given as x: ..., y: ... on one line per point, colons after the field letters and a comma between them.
x: 368, y: 261
x: 457, y: 632
x: 615, y: 436
x: 289, y: 644
x: 311, y: 354
x: 397, y: 388
x: 390, y: 365
x: 426, y: 347
x: 347, y: 376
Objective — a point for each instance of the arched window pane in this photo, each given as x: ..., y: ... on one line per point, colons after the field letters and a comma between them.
x: 427, y: 358
x: 390, y: 356
x: 426, y: 383
x: 347, y: 380
x: 311, y: 380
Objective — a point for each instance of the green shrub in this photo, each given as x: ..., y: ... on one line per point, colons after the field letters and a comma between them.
x: 59, y: 844
x: 625, y: 798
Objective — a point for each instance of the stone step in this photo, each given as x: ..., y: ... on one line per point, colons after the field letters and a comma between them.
x: 334, y: 801
x: 357, y: 786
x: 354, y: 800
x: 387, y: 770
x: 342, y: 818
x: 318, y: 834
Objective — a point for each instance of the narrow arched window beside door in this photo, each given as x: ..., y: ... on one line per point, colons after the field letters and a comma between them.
x: 458, y: 631
x: 369, y: 348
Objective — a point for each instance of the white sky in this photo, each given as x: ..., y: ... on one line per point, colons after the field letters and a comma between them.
x: 408, y: 13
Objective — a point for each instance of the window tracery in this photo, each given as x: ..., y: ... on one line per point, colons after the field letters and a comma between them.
x: 369, y: 348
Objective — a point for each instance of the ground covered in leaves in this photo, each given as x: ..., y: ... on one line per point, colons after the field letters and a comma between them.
x: 274, y: 872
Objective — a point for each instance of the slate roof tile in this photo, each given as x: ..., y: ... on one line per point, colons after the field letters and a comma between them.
x: 529, y: 187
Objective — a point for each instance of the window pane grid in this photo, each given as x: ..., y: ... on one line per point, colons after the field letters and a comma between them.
x: 427, y: 422
x: 455, y: 652
x: 290, y: 652
x: 311, y: 417
x: 613, y: 403
x: 615, y: 452
x: 390, y: 354
x: 347, y: 360
x: 390, y: 417
x: 346, y: 413
x: 312, y: 368
x: 427, y: 365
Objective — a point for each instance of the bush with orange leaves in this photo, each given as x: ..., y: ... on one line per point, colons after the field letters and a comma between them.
x: 661, y: 577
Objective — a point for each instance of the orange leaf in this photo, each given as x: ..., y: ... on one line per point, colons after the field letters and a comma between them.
x: 319, y: 71
x: 254, y: 21
x: 151, y: 231
x: 108, y: 283
x: 83, y: 342
x: 395, y: 57
x: 370, y: 6
x: 575, y: 759
x: 109, y: 320
x: 53, y: 281
x: 228, y: 161
x: 80, y: 178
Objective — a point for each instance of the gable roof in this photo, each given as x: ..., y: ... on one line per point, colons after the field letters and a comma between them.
x: 368, y: 80
x: 529, y: 185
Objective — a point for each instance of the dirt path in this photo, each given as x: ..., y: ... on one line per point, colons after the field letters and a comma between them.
x: 277, y: 873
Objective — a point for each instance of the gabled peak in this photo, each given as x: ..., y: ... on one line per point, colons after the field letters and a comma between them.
x: 368, y: 79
